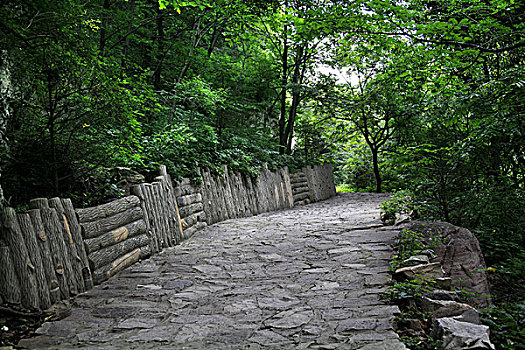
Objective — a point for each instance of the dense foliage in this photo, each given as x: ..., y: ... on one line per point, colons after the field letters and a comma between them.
x: 425, y: 96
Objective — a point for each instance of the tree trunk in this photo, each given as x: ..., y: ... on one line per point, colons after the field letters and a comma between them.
x: 377, y: 174
x: 296, y: 95
x: 160, y: 50
x: 103, y: 30
x: 284, y: 81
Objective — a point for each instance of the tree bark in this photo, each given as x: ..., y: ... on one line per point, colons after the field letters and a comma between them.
x: 96, y: 228
x: 109, y: 209
x: 30, y: 238
x: 116, y: 236
x: 119, y: 264
x: 296, y: 95
x: 106, y: 255
x: 9, y: 287
x: 377, y: 174
x: 76, y: 231
x: 284, y: 82
x: 47, y: 258
x: 71, y: 250
x: 23, y: 266
x: 61, y: 261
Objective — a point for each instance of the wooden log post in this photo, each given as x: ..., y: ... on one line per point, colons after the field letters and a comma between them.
x: 163, y: 201
x: 47, y: 258
x: 154, y: 215
x: 162, y: 220
x: 173, y: 208
x: 29, y: 233
x: 76, y: 231
x: 205, y: 192
x: 38, y: 203
x: 138, y: 190
x: 25, y: 270
x: 71, y: 250
x: 62, y: 265
x: 9, y: 286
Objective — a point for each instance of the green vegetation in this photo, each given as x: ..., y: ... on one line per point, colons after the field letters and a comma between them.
x: 417, y: 95
x: 408, y: 293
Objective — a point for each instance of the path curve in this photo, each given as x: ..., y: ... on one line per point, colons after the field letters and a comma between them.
x: 303, y: 278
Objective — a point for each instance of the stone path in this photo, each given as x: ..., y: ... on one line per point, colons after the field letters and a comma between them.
x: 304, y: 278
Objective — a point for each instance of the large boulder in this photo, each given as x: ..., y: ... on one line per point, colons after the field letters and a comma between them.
x: 460, y: 256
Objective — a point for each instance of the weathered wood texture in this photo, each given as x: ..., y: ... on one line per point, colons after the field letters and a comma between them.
x: 108, y: 209
x: 118, y: 265
x: 232, y: 195
x: 24, y: 268
x: 54, y: 251
x: 106, y: 255
x: 71, y: 253
x: 115, y: 236
x: 9, y: 286
x: 320, y: 182
x: 76, y: 231
x: 300, y: 189
x: 61, y: 262
x: 139, y: 191
x: 96, y: 228
x: 47, y: 258
x: 30, y: 238
x: 111, y: 231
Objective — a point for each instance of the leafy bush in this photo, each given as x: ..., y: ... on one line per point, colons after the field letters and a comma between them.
x: 507, y: 325
x: 400, y: 202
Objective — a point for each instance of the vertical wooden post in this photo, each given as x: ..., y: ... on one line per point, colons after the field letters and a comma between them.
x: 173, y: 208
x: 25, y: 270
x: 47, y: 258
x: 62, y: 266
x: 138, y: 190
x: 9, y: 286
x: 76, y: 231
x: 70, y: 252
x: 26, y: 227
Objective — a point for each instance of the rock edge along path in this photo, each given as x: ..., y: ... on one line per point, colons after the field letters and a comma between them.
x: 304, y: 278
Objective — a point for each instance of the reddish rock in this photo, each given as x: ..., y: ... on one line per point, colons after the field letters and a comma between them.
x: 460, y: 255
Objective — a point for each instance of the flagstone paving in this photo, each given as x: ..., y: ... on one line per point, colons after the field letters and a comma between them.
x: 304, y: 278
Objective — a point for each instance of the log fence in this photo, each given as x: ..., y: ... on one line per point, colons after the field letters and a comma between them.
x: 53, y: 251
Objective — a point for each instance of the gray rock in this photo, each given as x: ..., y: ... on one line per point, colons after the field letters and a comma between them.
x: 431, y: 305
x: 440, y: 294
x: 459, y: 311
x: 290, y: 319
x: 269, y: 338
x: 457, y: 335
x: 425, y: 271
x: 416, y: 260
x: 385, y: 345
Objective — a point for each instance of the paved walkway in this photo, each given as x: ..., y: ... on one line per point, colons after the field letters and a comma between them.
x: 304, y: 278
